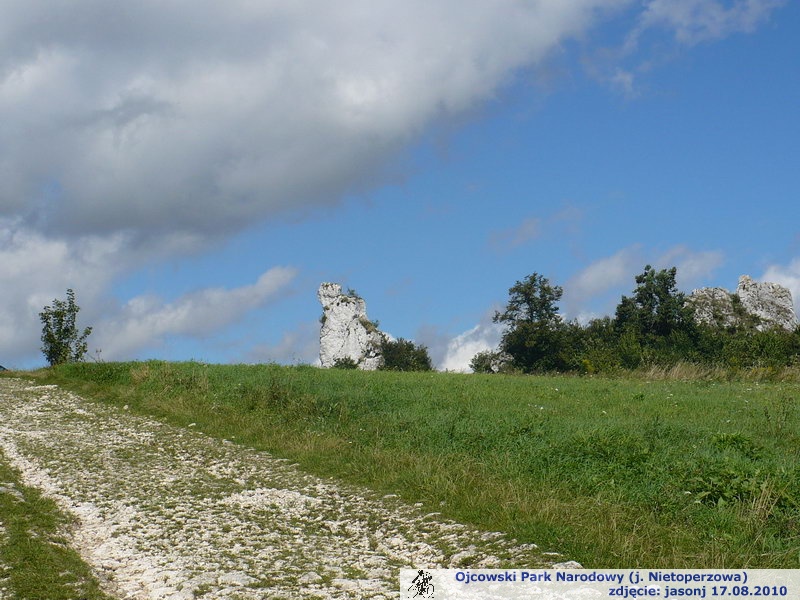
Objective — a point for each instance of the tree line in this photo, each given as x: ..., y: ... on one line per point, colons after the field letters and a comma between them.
x: 654, y: 326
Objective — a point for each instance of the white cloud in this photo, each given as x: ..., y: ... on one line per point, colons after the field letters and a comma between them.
x: 603, y: 275
x: 37, y: 268
x: 138, y: 131
x: 625, y: 81
x: 687, y: 23
x: 694, y: 21
x: 461, y: 349
x: 201, y: 116
x: 145, y: 321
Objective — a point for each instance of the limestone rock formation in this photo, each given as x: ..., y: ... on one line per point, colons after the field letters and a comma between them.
x: 346, y: 331
x: 759, y: 305
x: 771, y: 304
x: 713, y: 306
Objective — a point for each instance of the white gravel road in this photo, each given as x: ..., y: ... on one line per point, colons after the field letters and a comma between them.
x: 169, y: 513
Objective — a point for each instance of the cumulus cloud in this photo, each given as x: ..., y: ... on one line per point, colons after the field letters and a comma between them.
x: 202, y: 116
x: 36, y: 268
x: 146, y: 320
x: 457, y: 352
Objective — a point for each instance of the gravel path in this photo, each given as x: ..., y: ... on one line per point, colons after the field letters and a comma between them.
x: 170, y: 513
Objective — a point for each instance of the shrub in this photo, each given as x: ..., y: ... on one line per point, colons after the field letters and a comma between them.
x: 404, y: 355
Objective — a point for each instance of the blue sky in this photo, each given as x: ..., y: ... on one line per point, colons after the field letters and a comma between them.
x: 194, y: 175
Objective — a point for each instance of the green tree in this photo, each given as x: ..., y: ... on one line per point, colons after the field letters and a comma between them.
x: 61, y: 340
x: 532, y: 300
x: 534, y: 335
x: 656, y: 308
x: 655, y: 323
x: 404, y: 355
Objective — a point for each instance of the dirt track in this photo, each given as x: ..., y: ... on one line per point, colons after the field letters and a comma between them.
x: 170, y: 513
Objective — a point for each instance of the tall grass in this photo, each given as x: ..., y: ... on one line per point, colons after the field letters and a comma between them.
x: 651, y: 472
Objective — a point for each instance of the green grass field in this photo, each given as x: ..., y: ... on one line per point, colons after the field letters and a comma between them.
x: 609, y: 472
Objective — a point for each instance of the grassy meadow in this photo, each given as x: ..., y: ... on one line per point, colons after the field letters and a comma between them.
x: 611, y: 472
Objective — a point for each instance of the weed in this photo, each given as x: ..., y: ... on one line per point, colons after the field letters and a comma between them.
x: 779, y: 415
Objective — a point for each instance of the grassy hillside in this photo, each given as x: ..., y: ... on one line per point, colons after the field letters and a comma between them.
x: 610, y: 472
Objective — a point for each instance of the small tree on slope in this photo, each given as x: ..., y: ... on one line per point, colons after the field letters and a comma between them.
x: 61, y: 340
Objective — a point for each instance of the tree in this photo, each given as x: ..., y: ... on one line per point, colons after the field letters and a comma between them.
x: 404, y: 355
x: 534, y: 330
x: 61, y: 340
x: 655, y: 324
x: 656, y: 308
x: 532, y: 300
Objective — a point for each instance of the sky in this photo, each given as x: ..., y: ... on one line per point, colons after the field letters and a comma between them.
x: 194, y: 170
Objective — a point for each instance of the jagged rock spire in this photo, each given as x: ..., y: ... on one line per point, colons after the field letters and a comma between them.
x: 760, y: 305
x: 346, y: 330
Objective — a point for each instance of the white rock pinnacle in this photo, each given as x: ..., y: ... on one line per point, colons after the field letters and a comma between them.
x: 346, y: 331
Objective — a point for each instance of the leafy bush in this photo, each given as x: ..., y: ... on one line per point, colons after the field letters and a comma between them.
x: 404, y: 355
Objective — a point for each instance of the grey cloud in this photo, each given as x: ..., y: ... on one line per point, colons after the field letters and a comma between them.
x: 153, y: 117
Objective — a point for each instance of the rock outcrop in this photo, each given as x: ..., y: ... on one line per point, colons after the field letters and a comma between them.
x: 759, y: 305
x: 347, y: 332
x: 713, y: 306
x: 771, y: 304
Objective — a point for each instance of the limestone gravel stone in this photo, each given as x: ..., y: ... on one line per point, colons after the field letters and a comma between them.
x: 170, y: 513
